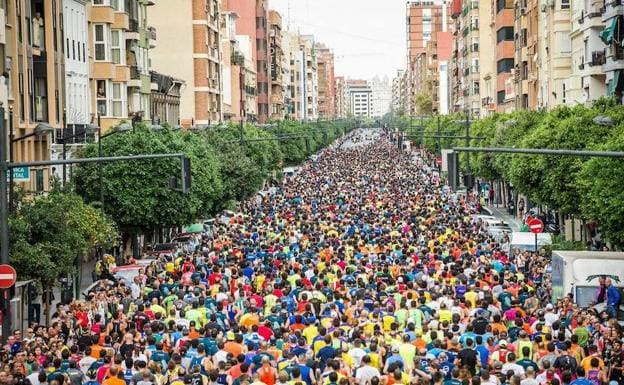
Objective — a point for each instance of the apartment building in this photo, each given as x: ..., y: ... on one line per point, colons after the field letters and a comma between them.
x: 555, y: 55
x: 309, y: 81
x: 360, y: 98
x: 249, y: 79
x: 381, y: 96
x: 341, y: 97
x: 291, y: 44
x: 465, y: 70
x: 505, y: 55
x: 192, y: 31
x: 588, y: 80
x: 526, y: 68
x: 277, y: 66
x: 487, y: 66
x: 397, y: 105
x: 253, y: 21
x: 326, y: 82
x: 120, y: 77
x: 611, y: 36
x: 32, y: 45
x: 232, y: 68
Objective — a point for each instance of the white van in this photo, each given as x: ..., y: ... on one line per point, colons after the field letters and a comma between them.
x: 578, y: 272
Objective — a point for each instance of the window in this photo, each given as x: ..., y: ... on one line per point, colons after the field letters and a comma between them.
x: 118, y: 5
x: 504, y: 65
x: 117, y: 50
x: 565, y: 4
x: 500, y: 97
x: 475, y: 88
x: 101, y: 2
x: 565, y: 43
x: 119, y: 99
x: 505, y: 34
x: 101, y: 42
x: 101, y: 98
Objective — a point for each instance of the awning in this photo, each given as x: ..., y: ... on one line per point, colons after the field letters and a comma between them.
x: 607, y: 34
x: 613, y: 84
x: 195, y: 228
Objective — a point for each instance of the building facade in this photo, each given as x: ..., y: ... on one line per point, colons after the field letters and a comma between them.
x: 341, y: 97
x: 505, y: 55
x: 35, y: 76
x: 360, y: 98
x: 555, y: 56
x: 193, y: 31
x: 309, y: 81
x: 381, y: 96
x: 326, y: 82
x: 253, y: 21
x: 291, y: 44
x: 588, y: 80
x: 277, y: 66
x: 526, y: 68
x: 424, y: 20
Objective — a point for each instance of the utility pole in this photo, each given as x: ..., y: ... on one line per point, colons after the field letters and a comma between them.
x: 4, y: 224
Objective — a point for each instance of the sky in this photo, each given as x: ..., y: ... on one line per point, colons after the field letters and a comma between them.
x: 367, y: 36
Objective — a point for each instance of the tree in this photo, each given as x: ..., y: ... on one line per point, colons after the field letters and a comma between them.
x: 137, y: 193
x: 424, y: 103
x: 600, y: 183
x: 50, y: 232
x: 551, y: 180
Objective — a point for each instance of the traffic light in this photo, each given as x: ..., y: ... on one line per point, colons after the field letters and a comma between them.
x: 186, y: 175
x: 452, y: 161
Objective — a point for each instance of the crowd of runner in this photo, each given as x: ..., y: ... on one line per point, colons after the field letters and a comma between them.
x: 362, y: 269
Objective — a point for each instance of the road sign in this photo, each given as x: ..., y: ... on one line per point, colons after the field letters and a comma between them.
x: 536, y: 226
x: 21, y: 174
x: 8, y: 276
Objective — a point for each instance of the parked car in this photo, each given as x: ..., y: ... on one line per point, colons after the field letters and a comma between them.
x: 164, y: 249
x: 127, y: 272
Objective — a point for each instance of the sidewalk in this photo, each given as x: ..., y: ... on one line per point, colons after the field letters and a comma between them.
x: 502, y: 213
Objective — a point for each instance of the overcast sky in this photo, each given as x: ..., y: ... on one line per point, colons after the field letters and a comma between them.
x: 367, y: 36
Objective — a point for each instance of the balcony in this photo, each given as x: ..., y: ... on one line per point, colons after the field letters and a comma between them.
x: 151, y: 36
x: 133, y: 30
x: 612, y: 9
x: 135, y: 77
x: 598, y: 58
x: 615, y: 61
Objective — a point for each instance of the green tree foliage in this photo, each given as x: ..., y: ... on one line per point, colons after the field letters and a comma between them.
x: 49, y: 233
x: 600, y: 182
x: 137, y: 193
x: 224, y: 170
x: 584, y: 187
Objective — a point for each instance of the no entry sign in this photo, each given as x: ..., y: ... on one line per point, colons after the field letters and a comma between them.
x: 8, y: 276
x: 536, y: 226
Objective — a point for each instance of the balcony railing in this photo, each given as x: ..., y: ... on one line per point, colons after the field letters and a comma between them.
x: 598, y: 58
x: 135, y: 74
x: 133, y: 25
x: 151, y: 33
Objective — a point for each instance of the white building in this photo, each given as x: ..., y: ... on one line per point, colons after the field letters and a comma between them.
x: 77, y: 90
x: 360, y: 98
x: 381, y: 96
x: 77, y: 99
x: 309, y: 80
